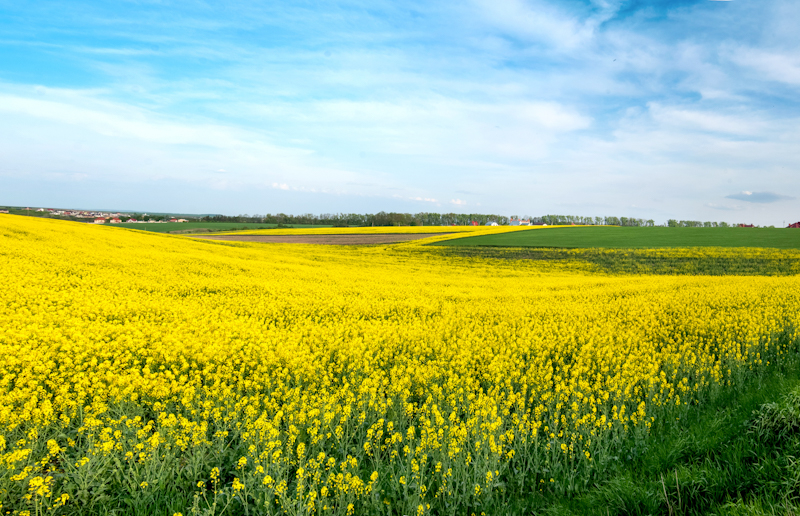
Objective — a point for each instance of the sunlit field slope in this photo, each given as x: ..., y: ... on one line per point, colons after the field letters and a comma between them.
x: 155, y: 374
x: 637, y: 237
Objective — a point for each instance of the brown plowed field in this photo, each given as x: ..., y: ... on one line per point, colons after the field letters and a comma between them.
x: 366, y: 239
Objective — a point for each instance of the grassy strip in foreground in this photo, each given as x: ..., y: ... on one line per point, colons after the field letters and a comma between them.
x: 710, y: 261
x: 737, y: 455
x: 637, y: 237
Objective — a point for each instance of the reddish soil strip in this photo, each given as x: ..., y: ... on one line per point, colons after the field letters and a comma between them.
x: 363, y: 239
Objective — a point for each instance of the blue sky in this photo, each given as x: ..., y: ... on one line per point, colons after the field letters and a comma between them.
x: 660, y: 109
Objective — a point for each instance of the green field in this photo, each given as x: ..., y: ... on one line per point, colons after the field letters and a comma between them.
x: 200, y: 227
x: 636, y: 238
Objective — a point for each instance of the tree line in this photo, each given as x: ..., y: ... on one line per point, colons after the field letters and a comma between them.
x: 695, y: 224
x: 403, y: 219
x: 566, y: 220
x: 369, y: 219
x: 444, y: 219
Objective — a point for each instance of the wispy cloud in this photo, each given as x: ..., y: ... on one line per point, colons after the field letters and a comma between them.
x: 535, y: 21
x: 759, y: 197
x: 520, y: 104
x: 706, y: 120
x: 768, y: 64
x: 722, y: 207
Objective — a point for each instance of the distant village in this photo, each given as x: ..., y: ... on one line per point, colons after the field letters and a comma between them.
x: 99, y: 217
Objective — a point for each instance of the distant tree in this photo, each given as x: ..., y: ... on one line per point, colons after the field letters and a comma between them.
x: 432, y: 219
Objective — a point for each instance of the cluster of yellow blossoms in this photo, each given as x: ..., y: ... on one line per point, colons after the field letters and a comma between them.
x: 143, y: 373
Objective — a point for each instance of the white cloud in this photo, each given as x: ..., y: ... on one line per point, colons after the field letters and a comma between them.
x: 458, y: 202
x: 120, y: 121
x: 437, y: 127
x: 534, y: 21
x: 550, y: 115
x: 694, y: 120
x: 734, y: 207
x: 104, y: 139
x: 280, y: 186
x: 759, y: 197
x: 776, y: 66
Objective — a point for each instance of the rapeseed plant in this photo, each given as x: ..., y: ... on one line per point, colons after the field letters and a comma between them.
x: 149, y: 374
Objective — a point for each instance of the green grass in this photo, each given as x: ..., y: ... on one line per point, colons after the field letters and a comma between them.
x: 709, y: 261
x: 737, y: 455
x: 201, y: 227
x: 636, y: 237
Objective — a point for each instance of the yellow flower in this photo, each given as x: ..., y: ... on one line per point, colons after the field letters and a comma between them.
x: 132, y: 347
x: 237, y: 485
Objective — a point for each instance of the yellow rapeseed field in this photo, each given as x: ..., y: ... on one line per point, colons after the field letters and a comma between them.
x: 153, y: 374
